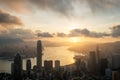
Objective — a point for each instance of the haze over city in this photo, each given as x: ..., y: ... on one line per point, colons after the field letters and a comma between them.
x: 76, y: 27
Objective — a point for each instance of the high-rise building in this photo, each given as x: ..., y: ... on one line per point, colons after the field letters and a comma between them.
x: 97, y: 60
x: 28, y: 67
x: 108, y: 73
x: 97, y: 55
x: 103, y: 65
x: 12, y: 69
x: 57, y: 65
x: 48, y: 65
x: 17, y: 75
x: 92, y: 62
x: 39, y: 54
x: 116, y: 62
x: 77, y: 62
x: 115, y: 75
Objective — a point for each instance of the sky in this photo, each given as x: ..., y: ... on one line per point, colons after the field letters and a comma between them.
x: 60, y: 20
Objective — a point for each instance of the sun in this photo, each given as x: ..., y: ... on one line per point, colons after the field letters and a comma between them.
x: 74, y: 40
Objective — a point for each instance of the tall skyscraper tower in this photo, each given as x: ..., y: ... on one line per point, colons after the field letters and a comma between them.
x: 98, y: 60
x: 28, y: 67
x: 17, y: 75
x: 39, y: 54
x: 97, y: 55
x: 92, y: 62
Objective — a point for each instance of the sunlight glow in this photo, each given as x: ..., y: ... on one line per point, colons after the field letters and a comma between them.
x: 74, y: 39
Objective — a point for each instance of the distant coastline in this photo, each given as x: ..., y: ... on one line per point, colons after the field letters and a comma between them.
x: 11, y: 58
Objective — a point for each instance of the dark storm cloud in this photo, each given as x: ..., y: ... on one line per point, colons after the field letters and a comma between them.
x: 44, y: 34
x: 115, y: 31
x: 86, y: 33
x: 7, y: 19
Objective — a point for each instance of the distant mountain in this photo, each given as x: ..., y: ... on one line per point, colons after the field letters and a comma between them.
x: 9, y: 40
x: 106, y: 49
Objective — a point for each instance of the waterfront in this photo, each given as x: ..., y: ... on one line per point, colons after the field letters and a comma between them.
x: 49, y: 53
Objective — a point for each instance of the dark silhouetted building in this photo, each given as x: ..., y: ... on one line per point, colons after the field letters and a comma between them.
x: 28, y: 67
x: 108, y: 73
x: 78, y: 62
x: 103, y: 66
x: 57, y: 65
x: 92, y: 62
x: 12, y: 69
x: 17, y: 73
x: 48, y: 65
x: 97, y: 60
x: 115, y: 75
x: 39, y: 54
x: 116, y: 62
x: 97, y: 55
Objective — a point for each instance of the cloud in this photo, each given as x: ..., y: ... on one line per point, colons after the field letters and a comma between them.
x: 61, y: 6
x: 13, y: 36
x: 83, y: 32
x: 67, y: 7
x: 7, y: 20
x: 103, y: 5
x: 61, y: 34
x: 64, y: 7
x: 20, y: 6
x: 44, y: 34
x: 86, y: 33
x: 18, y: 33
x: 115, y: 31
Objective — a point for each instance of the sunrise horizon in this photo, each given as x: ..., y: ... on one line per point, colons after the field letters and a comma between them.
x: 59, y: 39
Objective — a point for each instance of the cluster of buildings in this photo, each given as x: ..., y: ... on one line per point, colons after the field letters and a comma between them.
x: 38, y: 72
x: 94, y: 68
x: 107, y: 68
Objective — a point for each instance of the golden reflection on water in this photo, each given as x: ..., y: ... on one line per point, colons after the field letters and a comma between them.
x: 50, y: 53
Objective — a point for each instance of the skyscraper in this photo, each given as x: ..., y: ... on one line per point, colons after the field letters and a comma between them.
x: 97, y: 55
x: 39, y: 54
x: 92, y: 62
x: 17, y: 75
x: 78, y: 62
x: 103, y: 65
x: 28, y: 67
x: 98, y: 60
x: 115, y: 62
x: 57, y: 65
x: 48, y: 65
x: 12, y: 69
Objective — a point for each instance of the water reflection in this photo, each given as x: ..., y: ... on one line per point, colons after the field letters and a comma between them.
x: 49, y: 53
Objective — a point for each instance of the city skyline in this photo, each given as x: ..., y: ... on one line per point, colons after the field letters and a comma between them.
x: 94, y: 67
x: 77, y: 24
x: 59, y: 39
